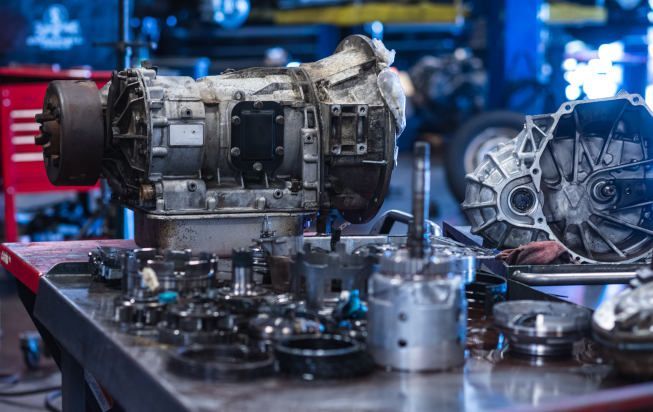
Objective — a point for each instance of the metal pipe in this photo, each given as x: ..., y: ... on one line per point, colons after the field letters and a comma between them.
x: 418, y: 236
x: 384, y: 224
x: 124, y: 46
x: 567, y: 279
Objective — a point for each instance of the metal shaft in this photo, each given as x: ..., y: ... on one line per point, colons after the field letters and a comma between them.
x: 418, y: 236
x: 241, y: 280
x: 241, y: 274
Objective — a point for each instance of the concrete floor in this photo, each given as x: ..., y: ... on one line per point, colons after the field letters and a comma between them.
x: 13, y: 322
x: 14, y: 319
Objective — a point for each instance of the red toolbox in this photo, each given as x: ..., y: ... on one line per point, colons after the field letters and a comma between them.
x: 22, y: 89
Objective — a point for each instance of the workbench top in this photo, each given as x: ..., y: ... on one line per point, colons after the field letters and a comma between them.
x: 77, y: 310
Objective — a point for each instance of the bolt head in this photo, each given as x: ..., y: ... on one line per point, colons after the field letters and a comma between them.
x: 279, y: 150
x: 235, y: 120
x: 279, y: 119
x: 258, y: 166
x: 258, y: 104
x: 235, y: 151
x: 608, y: 190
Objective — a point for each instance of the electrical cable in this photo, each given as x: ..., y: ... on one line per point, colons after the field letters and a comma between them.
x: 21, y: 405
x: 49, y: 401
x: 27, y: 392
x: 9, y: 379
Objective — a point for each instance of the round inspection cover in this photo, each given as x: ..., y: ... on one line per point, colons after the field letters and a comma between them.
x: 72, y: 133
x: 323, y: 357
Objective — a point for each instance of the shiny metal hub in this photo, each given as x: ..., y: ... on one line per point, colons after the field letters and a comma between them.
x: 540, y: 328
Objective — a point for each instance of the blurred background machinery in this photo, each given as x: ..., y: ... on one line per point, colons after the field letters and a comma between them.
x: 471, y: 69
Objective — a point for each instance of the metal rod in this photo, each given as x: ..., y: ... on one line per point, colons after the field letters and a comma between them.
x: 124, y: 47
x: 241, y: 272
x: 567, y: 279
x: 418, y: 236
x: 241, y: 279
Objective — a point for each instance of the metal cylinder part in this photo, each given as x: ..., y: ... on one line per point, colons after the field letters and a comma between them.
x: 623, y: 325
x: 147, y: 272
x: 417, y: 313
x: 320, y: 277
x: 541, y: 328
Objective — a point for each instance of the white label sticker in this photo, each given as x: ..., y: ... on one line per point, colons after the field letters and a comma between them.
x: 186, y: 134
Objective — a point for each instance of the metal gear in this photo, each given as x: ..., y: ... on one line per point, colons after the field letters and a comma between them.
x: 581, y: 176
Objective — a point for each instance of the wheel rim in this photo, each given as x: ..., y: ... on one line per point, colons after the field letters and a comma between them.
x: 483, y: 142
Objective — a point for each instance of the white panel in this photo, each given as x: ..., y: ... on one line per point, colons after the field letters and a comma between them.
x: 186, y: 134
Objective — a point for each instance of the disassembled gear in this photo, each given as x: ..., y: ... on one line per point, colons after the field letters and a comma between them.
x: 581, y: 176
x: 138, y: 315
x: 197, y: 323
x: 540, y: 328
x: 321, y: 276
x: 221, y: 362
x: 323, y: 357
x: 106, y: 262
x: 624, y: 325
x: 486, y: 291
x: 148, y: 272
x: 280, y: 321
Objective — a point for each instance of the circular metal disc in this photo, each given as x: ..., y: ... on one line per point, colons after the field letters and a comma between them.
x: 72, y: 133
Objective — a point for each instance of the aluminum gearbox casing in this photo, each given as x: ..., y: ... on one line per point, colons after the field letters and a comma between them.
x: 581, y: 176
x: 202, y: 162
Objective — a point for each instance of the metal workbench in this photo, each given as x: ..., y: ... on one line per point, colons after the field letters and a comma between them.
x: 73, y: 312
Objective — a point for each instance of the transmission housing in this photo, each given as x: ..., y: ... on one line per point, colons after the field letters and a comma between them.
x: 207, y: 163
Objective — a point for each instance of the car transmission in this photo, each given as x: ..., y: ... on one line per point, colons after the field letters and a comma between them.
x: 581, y: 176
x: 198, y: 159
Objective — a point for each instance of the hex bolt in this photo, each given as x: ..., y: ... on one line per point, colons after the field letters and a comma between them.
x: 235, y: 120
x: 258, y: 104
x: 258, y: 166
x: 259, y: 203
x: 607, y: 159
x: 279, y: 119
x: 235, y: 151
x: 279, y: 150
